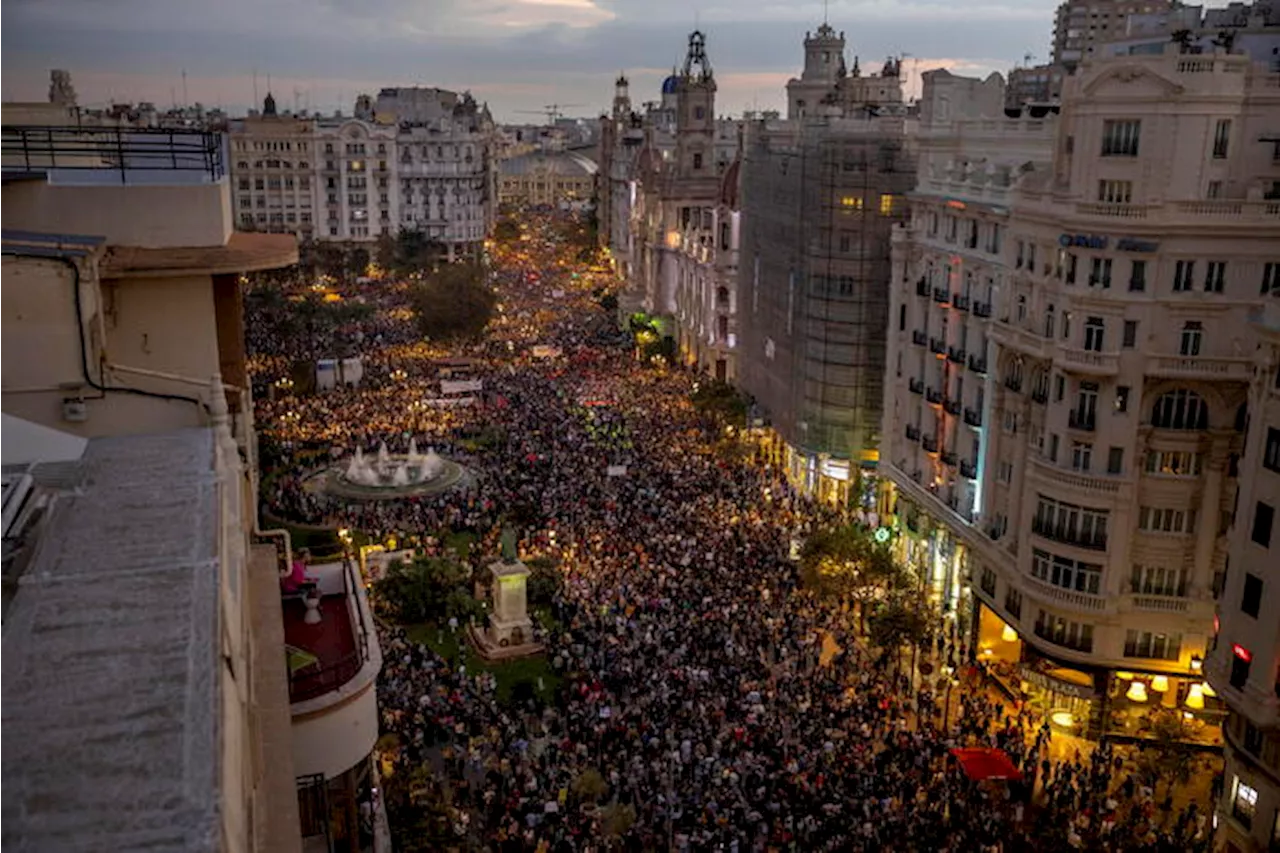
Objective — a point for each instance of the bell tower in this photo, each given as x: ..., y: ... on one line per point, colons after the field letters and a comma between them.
x: 696, y: 111
x: 621, y: 101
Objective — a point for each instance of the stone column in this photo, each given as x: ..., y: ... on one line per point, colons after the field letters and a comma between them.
x: 1209, y: 510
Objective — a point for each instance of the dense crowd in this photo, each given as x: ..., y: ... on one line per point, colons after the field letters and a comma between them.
x: 723, y: 706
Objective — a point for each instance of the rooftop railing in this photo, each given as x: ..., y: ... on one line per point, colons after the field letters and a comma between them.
x: 122, y: 150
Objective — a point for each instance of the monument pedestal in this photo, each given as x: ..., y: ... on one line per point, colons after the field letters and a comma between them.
x: 510, y: 631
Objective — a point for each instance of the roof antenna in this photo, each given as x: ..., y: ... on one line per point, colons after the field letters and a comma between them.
x: 825, y: 4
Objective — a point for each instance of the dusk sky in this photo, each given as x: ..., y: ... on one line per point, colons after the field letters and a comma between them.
x: 515, y: 54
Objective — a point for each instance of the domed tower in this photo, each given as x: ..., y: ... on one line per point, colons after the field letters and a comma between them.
x: 695, y: 90
x: 823, y: 68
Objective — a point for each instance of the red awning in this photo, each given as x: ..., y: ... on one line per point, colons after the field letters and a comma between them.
x: 981, y: 764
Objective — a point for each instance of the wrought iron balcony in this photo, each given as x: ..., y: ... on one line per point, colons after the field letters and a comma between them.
x: 977, y: 365
x: 982, y: 309
x: 933, y: 396
x: 938, y: 346
x: 913, y: 433
x: 951, y: 407
x: 1013, y: 383
x: 973, y: 417
x: 949, y: 458
x: 960, y: 301
x: 1040, y: 396
x: 919, y: 338
x: 922, y: 288
x: 956, y: 354
x: 941, y: 295
x: 968, y: 470
x: 929, y: 443
x: 915, y: 386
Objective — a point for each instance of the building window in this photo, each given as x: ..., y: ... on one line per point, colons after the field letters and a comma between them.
x: 1191, y: 338
x: 1221, y: 138
x: 1094, y: 328
x: 1130, y: 336
x: 1100, y: 273
x: 987, y: 581
x: 1158, y: 580
x: 1137, y: 275
x: 1251, y: 600
x: 1120, y: 138
x: 1152, y: 645
x: 1271, y: 279
x: 851, y: 202
x: 1122, y: 398
x: 1060, y: 632
x: 1244, y: 803
x: 887, y: 205
x: 1071, y: 524
x: 1181, y: 409
x: 1081, y: 455
x: 1115, y: 460
x: 1165, y: 520
x: 697, y: 161
x: 1173, y: 463
x: 1115, y: 192
x: 1214, y: 190
x: 1215, y: 275
x: 1271, y: 455
x: 1183, y: 272
x: 1013, y: 602
x: 1066, y: 573
x: 1263, y: 516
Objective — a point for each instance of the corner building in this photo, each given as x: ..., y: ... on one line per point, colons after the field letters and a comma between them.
x: 1118, y: 355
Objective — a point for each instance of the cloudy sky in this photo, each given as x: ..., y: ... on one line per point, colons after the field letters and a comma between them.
x: 516, y: 54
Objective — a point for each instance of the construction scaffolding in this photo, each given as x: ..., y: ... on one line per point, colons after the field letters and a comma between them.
x: 820, y: 199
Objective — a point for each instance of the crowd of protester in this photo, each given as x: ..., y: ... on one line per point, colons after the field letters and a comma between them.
x: 723, y: 706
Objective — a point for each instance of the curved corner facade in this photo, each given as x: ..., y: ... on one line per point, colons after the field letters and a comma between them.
x: 1073, y: 356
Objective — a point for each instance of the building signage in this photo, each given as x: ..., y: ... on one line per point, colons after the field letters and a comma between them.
x: 1098, y: 241
x: 1057, y: 685
x: 1128, y: 244
x: 1082, y: 241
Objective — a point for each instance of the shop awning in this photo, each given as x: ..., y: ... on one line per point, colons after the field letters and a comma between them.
x: 981, y: 764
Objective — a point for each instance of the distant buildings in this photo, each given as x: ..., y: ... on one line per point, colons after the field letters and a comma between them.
x: 549, y: 177
x: 416, y: 158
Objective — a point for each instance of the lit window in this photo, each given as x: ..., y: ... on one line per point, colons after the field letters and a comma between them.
x: 886, y: 205
x: 1244, y: 802
x: 851, y: 202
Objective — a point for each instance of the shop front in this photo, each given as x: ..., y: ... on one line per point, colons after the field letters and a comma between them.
x: 1096, y: 702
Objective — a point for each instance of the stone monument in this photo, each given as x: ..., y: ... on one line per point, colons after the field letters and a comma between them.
x: 510, y: 631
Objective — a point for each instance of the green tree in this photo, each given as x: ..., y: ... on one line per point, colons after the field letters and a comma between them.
x: 357, y: 261
x: 544, y: 581
x: 903, y: 619
x: 410, y: 252
x: 721, y: 402
x: 846, y: 562
x: 454, y: 303
x: 426, y: 589
x: 589, y: 786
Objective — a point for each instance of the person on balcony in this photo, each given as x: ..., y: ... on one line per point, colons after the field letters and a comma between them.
x: 298, y: 582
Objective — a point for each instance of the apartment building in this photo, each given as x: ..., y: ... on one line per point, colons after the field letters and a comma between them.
x: 948, y: 266
x: 1243, y: 665
x: 416, y: 158
x: 138, y: 616
x: 1081, y: 25
x: 1119, y: 359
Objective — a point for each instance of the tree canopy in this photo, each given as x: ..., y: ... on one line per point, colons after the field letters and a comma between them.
x: 453, y: 303
x: 845, y: 561
x: 409, y: 252
x: 427, y: 589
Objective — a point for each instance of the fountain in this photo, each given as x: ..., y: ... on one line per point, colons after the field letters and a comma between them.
x: 390, y: 475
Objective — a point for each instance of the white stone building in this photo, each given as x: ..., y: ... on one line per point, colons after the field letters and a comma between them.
x: 1089, y: 512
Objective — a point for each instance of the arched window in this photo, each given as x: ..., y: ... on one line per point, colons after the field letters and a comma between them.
x: 1181, y: 409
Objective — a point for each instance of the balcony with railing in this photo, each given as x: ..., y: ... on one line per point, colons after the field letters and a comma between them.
x: 982, y: 309
x: 1069, y: 535
x: 951, y: 407
x: 1024, y: 340
x: 941, y: 295
x: 968, y: 470
x: 915, y: 386
x: 1207, y: 368
x: 929, y: 443
x: 933, y: 396
x: 922, y: 287
x: 937, y: 346
x: 978, y: 365
x: 1089, y: 484
x: 1069, y: 598
x: 919, y: 338
x: 949, y: 458
x: 912, y: 433
x: 328, y: 632
x: 956, y: 355
x: 114, y: 155
x: 1091, y: 362
x: 960, y: 301
x: 973, y: 417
